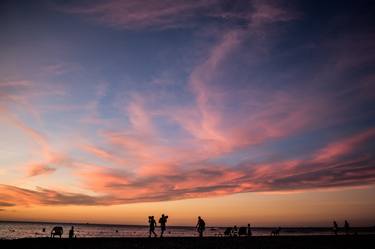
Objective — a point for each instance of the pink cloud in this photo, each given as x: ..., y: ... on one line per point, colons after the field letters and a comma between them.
x: 203, y: 179
x: 116, y: 186
x: 12, y: 196
x: 345, y: 146
x: 269, y: 12
x: 48, y: 158
x: 40, y: 169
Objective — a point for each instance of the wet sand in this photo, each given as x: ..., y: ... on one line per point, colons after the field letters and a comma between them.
x: 281, y: 242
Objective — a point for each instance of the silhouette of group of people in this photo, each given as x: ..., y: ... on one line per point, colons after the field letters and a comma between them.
x: 235, y: 231
x: 201, y: 225
x: 336, y: 227
x: 152, y: 224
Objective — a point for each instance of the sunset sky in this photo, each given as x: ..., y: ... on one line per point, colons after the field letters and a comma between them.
x: 242, y: 112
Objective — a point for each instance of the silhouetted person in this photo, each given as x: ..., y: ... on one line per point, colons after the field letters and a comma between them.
x: 152, y: 222
x: 346, y: 227
x: 335, y: 227
x: 249, y: 233
x: 163, y: 222
x: 71, y: 233
x: 201, y: 226
x: 235, y: 231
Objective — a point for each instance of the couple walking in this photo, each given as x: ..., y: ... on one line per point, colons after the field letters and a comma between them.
x: 162, y: 221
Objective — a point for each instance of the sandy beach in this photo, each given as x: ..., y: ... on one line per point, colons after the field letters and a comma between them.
x: 285, y: 242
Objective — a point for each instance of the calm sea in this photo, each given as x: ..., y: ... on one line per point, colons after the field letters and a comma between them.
x: 14, y: 230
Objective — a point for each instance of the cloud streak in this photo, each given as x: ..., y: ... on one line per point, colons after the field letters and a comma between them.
x: 207, y: 179
x: 25, y: 197
x: 146, y: 14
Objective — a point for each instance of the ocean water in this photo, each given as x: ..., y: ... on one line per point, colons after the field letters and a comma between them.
x: 15, y: 230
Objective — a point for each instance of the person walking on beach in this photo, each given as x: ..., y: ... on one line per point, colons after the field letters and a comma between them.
x: 335, y: 227
x: 201, y: 226
x: 346, y: 227
x: 249, y: 233
x: 163, y: 222
x: 152, y: 222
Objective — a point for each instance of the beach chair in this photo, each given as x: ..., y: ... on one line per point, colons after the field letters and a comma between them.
x: 57, y: 231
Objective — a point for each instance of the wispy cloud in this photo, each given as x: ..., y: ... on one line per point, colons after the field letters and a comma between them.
x: 40, y: 169
x: 116, y: 186
x: 166, y: 14
x: 25, y: 197
x: 201, y: 179
x: 141, y: 14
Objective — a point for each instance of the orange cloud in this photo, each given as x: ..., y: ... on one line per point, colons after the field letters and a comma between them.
x: 200, y: 179
x: 12, y: 196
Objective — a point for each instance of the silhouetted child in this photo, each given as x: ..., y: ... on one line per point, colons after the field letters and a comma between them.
x: 335, y: 227
x: 201, y: 226
x: 163, y: 222
x: 71, y: 233
x: 249, y: 233
x: 346, y: 227
x: 152, y: 222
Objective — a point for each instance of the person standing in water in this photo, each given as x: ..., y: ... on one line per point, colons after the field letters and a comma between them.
x: 201, y: 226
x: 71, y: 233
x: 163, y: 222
x: 249, y: 233
x: 152, y: 222
x: 335, y: 227
x: 346, y: 227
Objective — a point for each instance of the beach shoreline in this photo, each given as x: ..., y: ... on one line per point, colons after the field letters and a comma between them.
x: 255, y: 242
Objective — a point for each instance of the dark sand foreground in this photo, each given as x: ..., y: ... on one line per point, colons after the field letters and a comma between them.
x: 281, y: 242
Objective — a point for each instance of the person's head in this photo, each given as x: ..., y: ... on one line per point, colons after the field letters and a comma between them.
x: 248, y: 224
x: 199, y: 217
x: 72, y: 227
x: 162, y: 215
